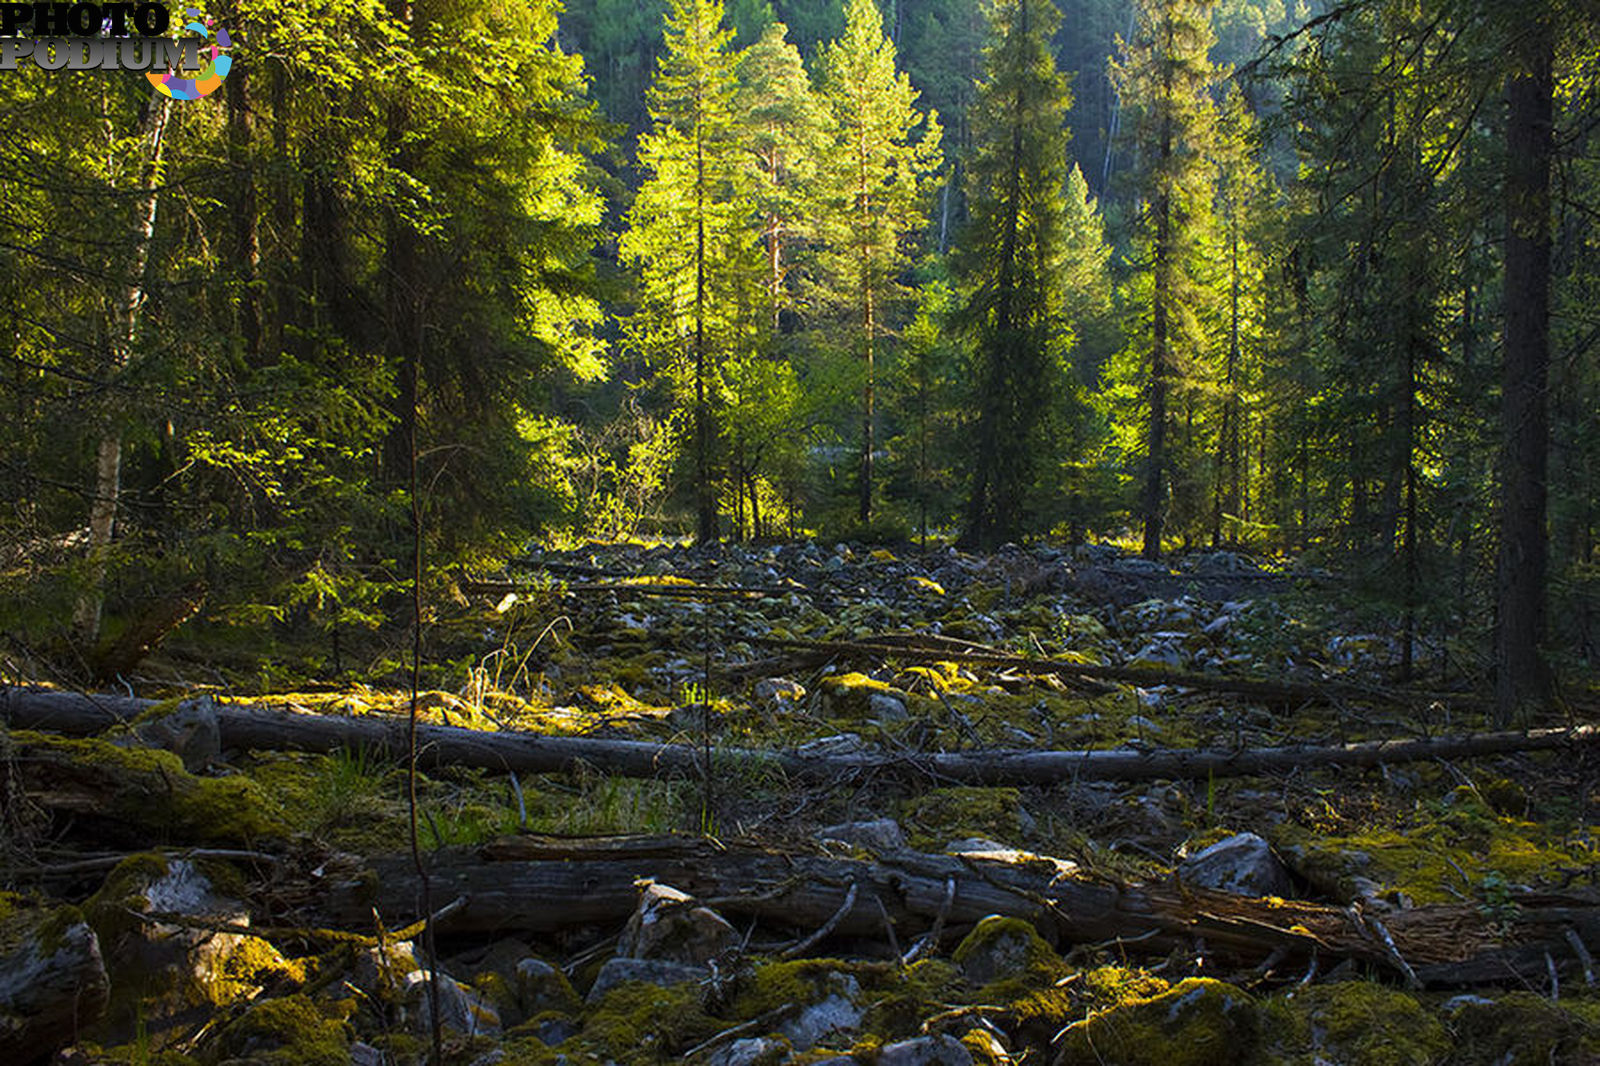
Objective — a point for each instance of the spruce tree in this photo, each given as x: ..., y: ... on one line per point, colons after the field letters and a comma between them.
x: 885, y: 154
x: 1165, y: 80
x: 1015, y: 249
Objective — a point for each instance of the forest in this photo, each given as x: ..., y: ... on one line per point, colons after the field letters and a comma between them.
x: 753, y: 531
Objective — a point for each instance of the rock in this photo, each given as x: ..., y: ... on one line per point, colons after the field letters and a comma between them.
x: 1242, y: 864
x: 938, y: 1050
x: 1159, y: 654
x: 460, y: 1008
x: 669, y: 925
x: 780, y: 691
x: 541, y: 987
x: 190, y: 732
x: 881, y: 836
x: 1000, y: 948
x: 365, y: 1055
x: 382, y: 972
x: 829, y: 747
x: 887, y: 709
x: 835, y: 1015
x: 756, y: 1051
x: 51, y: 984
x: 646, y: 971
x: 1198, y: 1022
x: 553, y: 1030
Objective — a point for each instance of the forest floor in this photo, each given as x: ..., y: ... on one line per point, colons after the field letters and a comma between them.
x: 837, y: 652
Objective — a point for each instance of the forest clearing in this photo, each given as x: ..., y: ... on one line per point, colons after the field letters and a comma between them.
x: 800, y: 531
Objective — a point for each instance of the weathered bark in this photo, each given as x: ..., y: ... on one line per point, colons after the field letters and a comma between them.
x: 1520, y: 673
x: 47, y: 993
x: 149, y: 630
x: 533, y: 884
x: 123, y: 332
x: 258, y: 728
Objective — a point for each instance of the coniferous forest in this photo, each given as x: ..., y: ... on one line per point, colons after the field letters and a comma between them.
x: 1053, y: 533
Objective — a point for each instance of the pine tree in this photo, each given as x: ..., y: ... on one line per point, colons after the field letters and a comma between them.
x: 688, y: 230
x: 886, y: 153
x: 1165, y: 80
x: 1015, y: 249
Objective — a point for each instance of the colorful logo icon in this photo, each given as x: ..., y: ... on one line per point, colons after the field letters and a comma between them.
x: 209, y: 78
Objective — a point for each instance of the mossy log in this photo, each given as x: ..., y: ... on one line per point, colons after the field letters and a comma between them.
x: 249, y: 727
x: 537, y: 884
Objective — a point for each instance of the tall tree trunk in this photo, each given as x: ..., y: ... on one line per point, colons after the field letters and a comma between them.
x: 1154, y: 478
x: 246, y: 232
x: 1520, y: 674
x: 123, y: 332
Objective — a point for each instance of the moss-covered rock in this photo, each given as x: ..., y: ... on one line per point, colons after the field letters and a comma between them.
x: 290, y: 1031
x: 646, y: 1023
x: 1007, y: 958
x: 1522, y: 1029
x: 944, y: 814
x: 849, y: 696
x: 1197, y: 1022
x: 1351, y: 1021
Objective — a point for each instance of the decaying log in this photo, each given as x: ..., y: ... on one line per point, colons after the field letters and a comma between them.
x: 51, y: 986
x: 538, y: 885
x: 247, y: 727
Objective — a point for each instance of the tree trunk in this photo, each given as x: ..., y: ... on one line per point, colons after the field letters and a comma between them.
x: 543, y: 885
x: 124, y: 330
x: 1521, y: 679
x: 262, y: 729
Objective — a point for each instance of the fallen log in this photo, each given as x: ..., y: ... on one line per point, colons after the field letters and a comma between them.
x: 247, y: 727
x: 540, y: 885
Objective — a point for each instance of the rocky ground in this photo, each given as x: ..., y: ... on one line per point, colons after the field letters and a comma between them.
x: 174, y: 905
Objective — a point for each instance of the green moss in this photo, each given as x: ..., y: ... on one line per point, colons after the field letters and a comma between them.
x: 1008, y: 958
x: 151, y: 793
x: 1354, y: 1021
x: 897, y: 1008
x: 802, y: 981
x: 642, y: 1022
x: 1198, y: 1022
x: 850, y: 695
x: 1446, y: 853
x: 289, y: 1031
x: 249, y: 966
x: 1522, y: 1029
x: 944, y: 814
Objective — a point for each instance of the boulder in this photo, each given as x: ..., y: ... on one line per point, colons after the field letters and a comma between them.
x: 881, y: 836
x: 941, y: 1050
x: 647, y: 971
x: 671, y: 926
x: 1242, y: 864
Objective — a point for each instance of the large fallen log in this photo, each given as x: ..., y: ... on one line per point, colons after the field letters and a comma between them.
x: 539, y: 885
x: 247, y: 727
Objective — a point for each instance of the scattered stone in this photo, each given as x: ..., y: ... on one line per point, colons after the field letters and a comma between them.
x: 756, y: 1051
x: 646, y: 971
x: 1243, y: 864
x: 670, y: 926
x: 781, y: 691
x: 834, y: 1016
x: 1159, y: 654
x: 190, y: 731
x: 382, y: 972
x: 938, y: 1050
x: 1198, y: 1022
x: 886, y: 709
x: 51, y: 984
x: 541, y: 987
x: 365, y: 1055
x: 553, y: 1030
x: 1007, y: 948
x: 881, y: 836
x: 460, y: 1008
